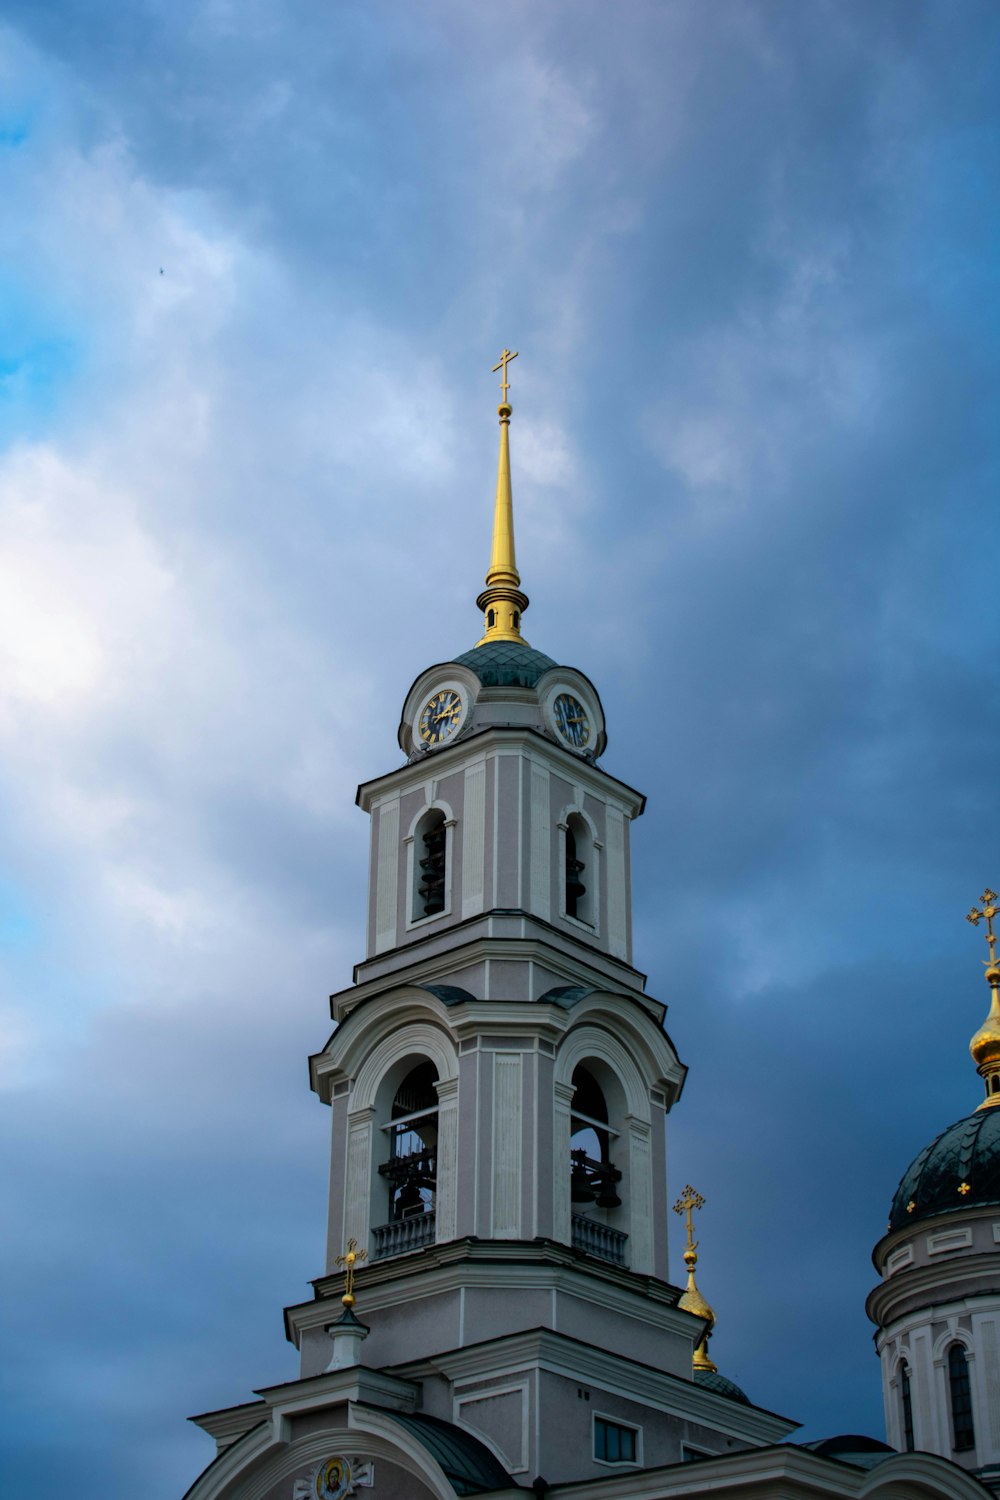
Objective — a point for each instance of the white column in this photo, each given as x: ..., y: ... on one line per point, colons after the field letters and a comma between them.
x: 507, y: 1148
x: 616, y: 883
x: 639, y: 1250
x: 986, y: 1391
x: 474, y: 839
x: 540, y: 883
x: 924, y: 1393
x: 387, y: 876
x: 561, y: 1136
x: 446, y: 1196
x: 358, y: 1177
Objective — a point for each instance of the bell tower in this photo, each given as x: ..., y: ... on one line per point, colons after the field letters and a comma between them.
x: 498, y: 1078
x: 498, y: 1081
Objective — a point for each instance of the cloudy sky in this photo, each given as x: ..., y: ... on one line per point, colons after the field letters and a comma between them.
x: 258, y: 257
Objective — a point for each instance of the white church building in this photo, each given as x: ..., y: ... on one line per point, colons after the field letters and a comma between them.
x: 496, y: 1314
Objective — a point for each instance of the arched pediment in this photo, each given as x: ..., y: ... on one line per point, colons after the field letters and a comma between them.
x: 382, y: 1030
x: 617, y: 1016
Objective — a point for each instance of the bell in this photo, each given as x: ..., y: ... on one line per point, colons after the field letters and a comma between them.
x: 409, y: 1200
x: 575, y: 887
x: 580, y: 1190
x: 608, y: 1198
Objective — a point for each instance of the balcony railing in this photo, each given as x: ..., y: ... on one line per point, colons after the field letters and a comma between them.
x: 402, y: 1235
x: 599, y: 1239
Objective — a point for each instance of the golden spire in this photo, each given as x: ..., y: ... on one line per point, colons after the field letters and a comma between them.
x: 349, y: 1261
x: 502, y: 601
x: 692, y: 1301
x: 985, y: 1045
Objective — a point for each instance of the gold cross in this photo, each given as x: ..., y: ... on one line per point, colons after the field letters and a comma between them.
x: 986, y: 913
x: 349, y: 1261
x: 688, y: 1200
x: 505, y: 360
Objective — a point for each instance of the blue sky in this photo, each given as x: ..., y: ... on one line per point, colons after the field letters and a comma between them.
x: 256, y: 260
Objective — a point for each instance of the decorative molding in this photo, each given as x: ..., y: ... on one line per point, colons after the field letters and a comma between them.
x: 590, y: 1041
x: 474, y: 839
x: 387, y: 876
x: 952, y: 1239
x: 515, y: 1463
x: 562, y: 1134
x: 540, y: 883
x: 615, y: 1375
x: 446, y: 1197
x: 616, y: 883
x: 357, y: 1188
x: 507, y: 1152
x: 639, y: 1247
x: 416, y: 1039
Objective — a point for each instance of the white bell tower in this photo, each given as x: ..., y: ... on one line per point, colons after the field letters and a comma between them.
x: 498, y: 1078
x: 498, y: 1082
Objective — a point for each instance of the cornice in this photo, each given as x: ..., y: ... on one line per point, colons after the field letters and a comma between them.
x: 915, y: 1288
x: 416, y: 967
x: 785, y: 1470
x: 354, y: 1383
x: 515, y: 1265
x: 570, y: 1358
x: 502, y: 739
x: 231, y: 1422
x: 954, y: 1218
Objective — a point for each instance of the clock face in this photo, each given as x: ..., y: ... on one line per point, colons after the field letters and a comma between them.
x: 571, y: 720
x: 440, y: 717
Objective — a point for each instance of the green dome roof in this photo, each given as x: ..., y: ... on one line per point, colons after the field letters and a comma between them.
x: 721, y: 1385
x: 506, y: 664
x: 968, y: 1152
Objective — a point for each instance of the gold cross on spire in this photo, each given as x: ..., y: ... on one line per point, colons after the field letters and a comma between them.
x: 348, y: 1261
x: 687, y: 1201
x: 505, y: 360
x: 986, y: 913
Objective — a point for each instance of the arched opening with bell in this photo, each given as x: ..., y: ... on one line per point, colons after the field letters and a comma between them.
x: 430, y: 865
x: 580, y: 870
x: 596, y: 1182
x: 409, y: 1171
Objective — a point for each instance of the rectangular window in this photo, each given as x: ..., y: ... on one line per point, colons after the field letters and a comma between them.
x: 613, y: 1443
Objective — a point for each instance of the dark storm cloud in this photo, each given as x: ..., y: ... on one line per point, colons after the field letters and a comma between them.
x: 749, y: 259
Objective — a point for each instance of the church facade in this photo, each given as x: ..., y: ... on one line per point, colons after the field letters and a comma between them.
x: 496, y: 1314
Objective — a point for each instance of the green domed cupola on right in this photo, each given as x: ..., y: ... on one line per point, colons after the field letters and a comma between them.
x: 937, y: 1308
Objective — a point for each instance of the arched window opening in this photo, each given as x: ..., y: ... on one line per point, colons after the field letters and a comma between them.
x: 995, y: 1084
x: 430, y: 865
x: 960, y: 1391
x: 491, y: 618
x: 906, y: 1401
x: 516, y: 619
x: 593, y: 1175
x: 412, y: 1129
x: 579, y: 859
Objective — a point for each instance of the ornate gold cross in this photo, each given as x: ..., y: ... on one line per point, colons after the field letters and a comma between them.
x: 688, y: 1200
x: 505, y: 360
x: 348, y: 1261
x: 986, y: 913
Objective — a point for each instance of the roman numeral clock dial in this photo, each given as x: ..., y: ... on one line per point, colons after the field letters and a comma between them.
x: 440, y: 717
x: 571, y: 720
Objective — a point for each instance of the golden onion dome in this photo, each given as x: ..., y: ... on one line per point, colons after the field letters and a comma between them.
x: 692, y: 1300
x: 985, y: 1045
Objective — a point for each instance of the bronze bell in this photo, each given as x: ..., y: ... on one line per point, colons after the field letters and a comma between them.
x: 580, y: 1189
